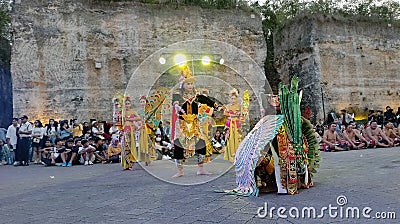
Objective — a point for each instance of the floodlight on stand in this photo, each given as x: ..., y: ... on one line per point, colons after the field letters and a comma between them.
x: 162, y: 60
x: 205, y: 60
x: 180, y: 59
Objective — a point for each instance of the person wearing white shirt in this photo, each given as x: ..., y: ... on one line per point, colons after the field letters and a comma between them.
x: 23, y: 143
x: 114, y: 131
x: 11, y: 138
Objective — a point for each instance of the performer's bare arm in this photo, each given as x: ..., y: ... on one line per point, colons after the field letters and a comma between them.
x: 368, y: 131
x: 385, y: 137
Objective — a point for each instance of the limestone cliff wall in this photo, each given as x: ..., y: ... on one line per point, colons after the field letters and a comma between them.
x: 57, y: 45
x: 342, y: 63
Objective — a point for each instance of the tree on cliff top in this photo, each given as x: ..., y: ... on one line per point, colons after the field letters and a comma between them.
x: 5, y: 55
x: 277, y: 13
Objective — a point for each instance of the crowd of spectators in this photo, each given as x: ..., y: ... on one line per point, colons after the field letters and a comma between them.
x: 343, y: 133
x: 67, y: 143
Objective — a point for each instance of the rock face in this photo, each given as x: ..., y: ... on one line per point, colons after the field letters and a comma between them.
x: 6, y: 109
x: 341, y: 63
x: 70, y: 57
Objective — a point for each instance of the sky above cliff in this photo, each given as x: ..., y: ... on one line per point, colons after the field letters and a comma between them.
x: 261, y: 2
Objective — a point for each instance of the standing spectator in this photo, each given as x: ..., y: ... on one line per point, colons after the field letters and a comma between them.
x: 398, y: 116
x: 345, y: 118
x: 379, y: 118
x: 87, y: 132
x: 77, y: 128
x: 11, y: 138
x: 3, y: 132
x: 24, y: 142
x: 65, y: 131
x: 114, y: 131
x: 97, y: 130
x: 389, y: 116
x: 371, y: 115
x: 52, y: 131
x: 37, y: 136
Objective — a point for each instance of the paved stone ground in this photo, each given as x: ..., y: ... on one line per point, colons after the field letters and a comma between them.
x: 105, y: 194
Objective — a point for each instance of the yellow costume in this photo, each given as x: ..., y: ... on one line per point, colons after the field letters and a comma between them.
x: 147, y: 150
x: 129, y: 154
x: 233, y: 112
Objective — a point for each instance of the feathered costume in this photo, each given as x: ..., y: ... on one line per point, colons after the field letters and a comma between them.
x: 295, y: 154
x: 249, y: 152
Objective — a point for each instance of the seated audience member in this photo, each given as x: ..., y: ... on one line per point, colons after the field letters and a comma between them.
x: 71, y: 151
x: 353, y: 138
x: 114, y: 151
x: 101, y: 152
x: 218, y: 142
x: 331, y: 140
x: 376, y: 136
x: 163, y: 147
x: 46, y: 151
x: 59, y: 153
x: 390, y: 132
x: 86, y: 152
x: 4, y: 153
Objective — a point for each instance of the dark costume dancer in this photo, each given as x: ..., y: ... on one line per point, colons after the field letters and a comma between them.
x: 189, y: 138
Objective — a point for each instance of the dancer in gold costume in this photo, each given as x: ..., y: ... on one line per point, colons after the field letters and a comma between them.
x: 129, y: 153
x: 189, y: 139
x: 147, y: 151
x: 233, y: 125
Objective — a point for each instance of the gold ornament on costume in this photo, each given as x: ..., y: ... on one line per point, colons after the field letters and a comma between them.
x: 186, y: 75
x: 234, y: 92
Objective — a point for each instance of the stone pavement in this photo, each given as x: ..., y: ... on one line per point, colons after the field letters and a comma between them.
x: 105, y: 194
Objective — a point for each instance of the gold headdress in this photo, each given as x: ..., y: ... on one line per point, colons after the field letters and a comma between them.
x: 186, y: 75
x: 234, y: 92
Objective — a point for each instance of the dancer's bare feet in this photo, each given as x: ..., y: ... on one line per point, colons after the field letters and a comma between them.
x: 179, y: 174
x: 201, y: 171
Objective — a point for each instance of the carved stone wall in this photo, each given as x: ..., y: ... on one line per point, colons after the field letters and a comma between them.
x: 342, y: 63
x: 70, y: 57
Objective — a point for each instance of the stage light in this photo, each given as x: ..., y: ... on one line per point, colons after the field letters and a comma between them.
x: 221, y: 61
x: 180, y: 59
x: 205, y: 60
x: 162, y: 60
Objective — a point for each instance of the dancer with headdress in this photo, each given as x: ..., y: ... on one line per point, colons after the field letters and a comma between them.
x: 288, y: 162
x: 130, y: 117
x: 233, y: 125
x: 188, y: 138
x: 147, y: 151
